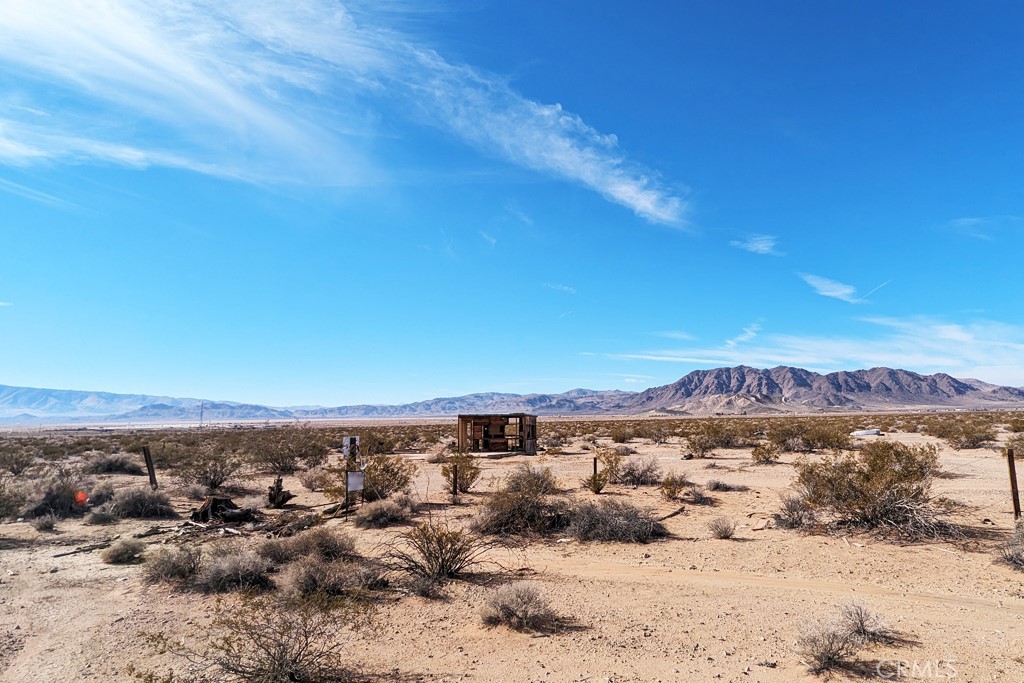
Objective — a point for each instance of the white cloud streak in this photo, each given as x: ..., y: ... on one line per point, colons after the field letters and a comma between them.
x: 985, y: 350
x: 566, y: 289
x: 263, y: 91
x: 4, y: 304
x: 758, y: 244
x: 749, y: 333
x: 831, y: 288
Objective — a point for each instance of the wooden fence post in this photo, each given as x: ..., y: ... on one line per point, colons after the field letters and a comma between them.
x: 150, y: 467
x: 1013, y: 483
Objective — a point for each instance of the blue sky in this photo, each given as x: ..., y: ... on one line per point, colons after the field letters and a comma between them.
x: 331, y: 203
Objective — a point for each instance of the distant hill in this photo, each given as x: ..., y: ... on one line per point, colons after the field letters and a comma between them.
x: 702, y: 392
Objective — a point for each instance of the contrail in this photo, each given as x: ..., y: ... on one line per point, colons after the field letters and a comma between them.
x: 872, y: 291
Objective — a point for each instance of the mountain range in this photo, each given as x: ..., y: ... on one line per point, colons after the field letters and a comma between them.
x: 738, y: 390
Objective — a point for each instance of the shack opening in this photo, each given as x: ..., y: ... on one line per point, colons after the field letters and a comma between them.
x: 503, y: 433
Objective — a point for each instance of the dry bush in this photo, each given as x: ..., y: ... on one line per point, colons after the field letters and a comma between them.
x: 1016, y: 424
x: 827, y: 646
x: 643, y: 471
x: 960, y: 433
x: 468, y: 471
x: 325, y: 543
x: 866, y: 626
x: 614, y: 520
x: 820, y: 437
x: 314, y: 576
x: 766, y: 453
x: 45, y: 523
x: 230, y: 567
x: 113, y: 463
x: 269, y: 639
x: 699, y: 497
x: 519, y: 605
x: 1012, y: 553
x: 279, y: 451
x: 16, y: 458
x: 673, y: 486
x: 314, y: 479
x: 722, y: 527
x: 386, y: 475
x: 620, y: 434
x: 611, y: 464
x: 173, y: 564
x: 196, y: 492
x: 524, y: 504
x: 706, y: 436
x: 140, y: 503
x: 57, y: 493
x: 1016, y: 442
x: 12, y: 497
x: 125, y: 551
x: 101, y: 516
x: 718, y: 485
x: 595, y: 481
x: 210, y: 469
x: 101, y: 493
x: 381, y: 513
x: 435, y: 551
x: 885, y: 487
x: 794, y: 512
x: 788, y: 436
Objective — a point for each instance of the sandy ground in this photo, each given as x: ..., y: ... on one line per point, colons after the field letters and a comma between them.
x: 687, y: 608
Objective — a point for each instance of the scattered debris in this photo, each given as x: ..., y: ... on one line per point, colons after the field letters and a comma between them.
x: 277, y: 496
x: 85, y: 549
x: 761, y: 525
x: 221, y: 508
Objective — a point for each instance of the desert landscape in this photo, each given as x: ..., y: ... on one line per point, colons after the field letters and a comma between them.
x: 702, y: 550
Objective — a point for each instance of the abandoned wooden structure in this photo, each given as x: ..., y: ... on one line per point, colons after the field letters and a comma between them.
x: 504, y: 433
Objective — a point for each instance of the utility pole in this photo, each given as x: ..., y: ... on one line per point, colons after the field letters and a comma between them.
x: 202, y: 405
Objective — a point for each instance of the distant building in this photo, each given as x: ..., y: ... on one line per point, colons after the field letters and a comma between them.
x: 505, y: 433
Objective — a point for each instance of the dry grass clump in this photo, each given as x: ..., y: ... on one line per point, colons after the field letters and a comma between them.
x: 765, y: 453
x: 140, y: 503
x: 322, y: 542
x: 885, y: 487
x: 101, y: 516
x: 45, y: 523
x: 722, y: 527
x: 611, y: 464
x: 528, y: 479
x: 126, y: 551
x: 12, y: 497
x: 57, y: 493
x: 717, y: 485
x: 101, y: 493
x: 830, y: 645
x: 230, y: 567
x: 519, y: 605
x: 698, y: 496
x: 173, y: 564
x: 313, y: 575
x: 643, y: 471
x: 16, y: 459
x: 1012, y: 553
x: 614, y: 520
x: 595, y: 481
x: 468, y: 471
x: 435, y: 551
x: 381, y: 513
x: 113, y: 463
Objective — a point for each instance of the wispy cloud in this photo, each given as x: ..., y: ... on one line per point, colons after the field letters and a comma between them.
x: 489, y: 238
x: 560, y: 287
x: 5, y: 303
x: 758, y: 244
x: 20, y: 190
x: 984, y: 350
x: 749, y: 332
x: 263, y: 91
x: 831, y: 288
x: 984, y: 227
x: 682, y: 336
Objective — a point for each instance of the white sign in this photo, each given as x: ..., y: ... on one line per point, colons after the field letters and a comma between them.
x: 354, y: 481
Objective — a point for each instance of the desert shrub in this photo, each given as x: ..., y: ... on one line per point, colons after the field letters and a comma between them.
x: 827, y: 437
x: 468, y: 471
x: 173, y: 564
x: 866, y: 626
x: 673, y: 486
x: 279, y: 451
x: 113, y: 463
x: 381, y: 513
x: 314, y: 479
x: 614, y: 520
x: 959, y: 433
x: 519, y: 605
x: 58, y: 493
x: 312, y: 576
x: 710, y: 435
x: 886, y: 487
x: 140, y: 503
x: 125, y: 551
x: 269, y: 639
x: 326, y: 543
x: 620, y: 434
x: 623, y: 451
x: 45, y: 523
x: 435, y: 551
x: 765, y: 453
x: 196, y: 492
x: 1012, y: 552
x: 788, y: 436
x: 524, y: 504
x: 794, y: 512
x: 826, y: 647
x: 1016, y: 424
x: 101, y: 493
x: 1016, y: 443
x: 552, y: 441
x: 611, y: 464
x: 722, y: 527
x: 643, y: 471
x: 718, y: 485
x: 230, y: 568
x: 386, y: 475
x: 16, y: 458
x: 210, y: 469
x: 101, y: 516
x: 12, y: 497
x: 595, y: 481
x: 699, y: 497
